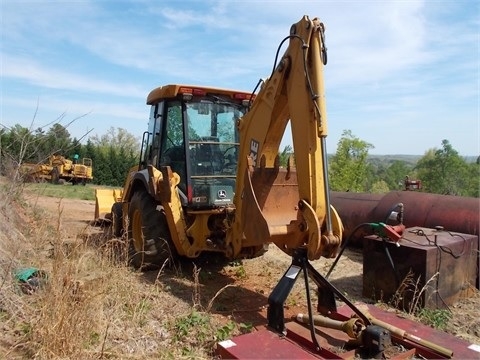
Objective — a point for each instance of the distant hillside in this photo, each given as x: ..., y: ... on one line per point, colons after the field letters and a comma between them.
x: 388, y: 159
x: 409, y: 159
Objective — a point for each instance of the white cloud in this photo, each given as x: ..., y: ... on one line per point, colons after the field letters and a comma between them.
x: 32, y: 72
x: 389, y: 61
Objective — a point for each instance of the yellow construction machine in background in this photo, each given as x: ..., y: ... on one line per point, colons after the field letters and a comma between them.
x: 59, y: 170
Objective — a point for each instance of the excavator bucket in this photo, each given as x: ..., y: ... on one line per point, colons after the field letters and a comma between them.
x: 271, y: 207
x: 104, y: 199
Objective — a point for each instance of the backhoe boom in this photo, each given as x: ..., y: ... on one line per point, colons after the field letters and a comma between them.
x: 289, y: 207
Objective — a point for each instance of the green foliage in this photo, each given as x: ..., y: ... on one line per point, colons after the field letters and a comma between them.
x: 193, y: 331
x: 116, y: 138
x: 285, y: 154
x: 112, y: 154
x: 437, y: 318
x: 473, y: 180
x: 380, y: 187
x: 193, y: 321
x: 443, y: 171
x: 391, y: 171
x: 240, y: 272
x: 228, y: 330
x: 349, y: 168
x: 225, y: 331
x: 245, y: 328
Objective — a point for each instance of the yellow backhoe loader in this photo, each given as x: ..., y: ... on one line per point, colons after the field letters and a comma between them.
x: 209, y: 179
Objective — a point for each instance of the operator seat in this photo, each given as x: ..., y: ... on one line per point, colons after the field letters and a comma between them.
x: 208, y: 155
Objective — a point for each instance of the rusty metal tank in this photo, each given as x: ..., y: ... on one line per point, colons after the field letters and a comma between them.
x: 453, y: 213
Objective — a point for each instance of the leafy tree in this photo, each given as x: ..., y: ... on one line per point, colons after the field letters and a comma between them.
x: 19, y: 144
x: 380, y: 187
x: 395, y: 174
x: 348, y: 168
x: 443, y: 171
x: 284, y: 155
x: 118, y: 138
x: 89, y: 150
x: 473, y: 180
x: 112, y: 154
x: 59, y: 140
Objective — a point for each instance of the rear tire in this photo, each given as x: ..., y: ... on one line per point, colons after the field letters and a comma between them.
x: 117, y: 219
x: 150, y: 243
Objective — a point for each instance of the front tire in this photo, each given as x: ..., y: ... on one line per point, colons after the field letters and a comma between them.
x: 150, y: 243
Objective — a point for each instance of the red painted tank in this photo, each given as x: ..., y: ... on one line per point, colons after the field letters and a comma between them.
x: 454, y: 213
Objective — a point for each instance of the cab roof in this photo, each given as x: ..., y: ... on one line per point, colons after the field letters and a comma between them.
x: 172, y: 90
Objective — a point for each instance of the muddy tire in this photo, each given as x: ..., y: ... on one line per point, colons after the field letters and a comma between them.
x: 150, y: 244
x: 117, y: 219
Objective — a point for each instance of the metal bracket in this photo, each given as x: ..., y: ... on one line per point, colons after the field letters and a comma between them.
x: 326, y: 295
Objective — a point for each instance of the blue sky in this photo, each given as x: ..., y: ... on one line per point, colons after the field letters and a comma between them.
x: 401, y: 75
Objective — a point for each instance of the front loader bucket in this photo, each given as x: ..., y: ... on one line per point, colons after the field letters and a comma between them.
x: 104, y: 199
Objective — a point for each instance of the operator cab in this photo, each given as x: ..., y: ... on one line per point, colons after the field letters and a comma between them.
x: 194, y: 131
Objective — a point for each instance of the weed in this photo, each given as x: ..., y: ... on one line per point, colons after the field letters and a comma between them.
x: 437, y: 318
x: 196, y: 287
x: 240, y: 272
x: 94, y: 338
x: 410, y: 293
x: 25, y: 328
x: 194, y: 320
x: 225, y: 331
x: 194, y: 331
x: 245, y: 328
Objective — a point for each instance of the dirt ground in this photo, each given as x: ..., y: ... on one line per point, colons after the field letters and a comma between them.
x: 240, y: 291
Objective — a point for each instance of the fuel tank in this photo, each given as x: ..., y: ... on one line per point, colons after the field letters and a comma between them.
x: 453, y: 213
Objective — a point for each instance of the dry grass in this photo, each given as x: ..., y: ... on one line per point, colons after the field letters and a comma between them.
x: 409, y: 294
x: 92, y: 305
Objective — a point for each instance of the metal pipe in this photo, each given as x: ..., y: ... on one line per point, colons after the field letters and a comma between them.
x: 352, y: 327
x: 399, y: 333
x: 454, y: 213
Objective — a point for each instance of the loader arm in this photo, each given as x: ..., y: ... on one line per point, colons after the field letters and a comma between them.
x: 289, y: 207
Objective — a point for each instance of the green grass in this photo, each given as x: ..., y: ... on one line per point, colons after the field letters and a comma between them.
x: 67, y: 191
x: 437, y: 318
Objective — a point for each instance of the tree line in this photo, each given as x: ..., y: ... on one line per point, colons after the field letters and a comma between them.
x: 112, y: 154
x: 440, y: 170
